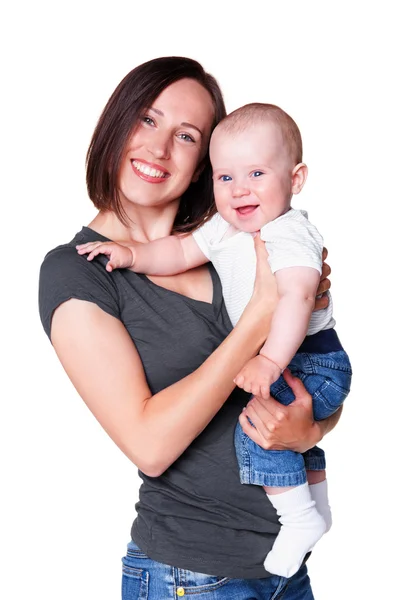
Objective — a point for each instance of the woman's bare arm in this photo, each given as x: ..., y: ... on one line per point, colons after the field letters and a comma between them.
x: 102, y: 362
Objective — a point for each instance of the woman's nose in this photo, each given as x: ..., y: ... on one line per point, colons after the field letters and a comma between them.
x: 159, y: 146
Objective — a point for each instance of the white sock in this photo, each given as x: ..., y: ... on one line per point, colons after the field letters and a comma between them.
x: 301, y: 528
x: 319, y: 493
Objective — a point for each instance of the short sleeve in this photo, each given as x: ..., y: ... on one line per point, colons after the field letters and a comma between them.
x: 210, y: 233
x: 64, y: 274
x: 292, y: 241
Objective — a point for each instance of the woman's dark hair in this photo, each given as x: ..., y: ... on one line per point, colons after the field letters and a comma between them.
x: 135, y: 94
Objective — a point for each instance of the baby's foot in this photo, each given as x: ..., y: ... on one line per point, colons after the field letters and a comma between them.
x: 301, y: 527
x: 319, y: 493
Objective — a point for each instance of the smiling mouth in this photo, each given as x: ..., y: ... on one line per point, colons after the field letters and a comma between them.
x: 147, y: 172
x: 246, y: 210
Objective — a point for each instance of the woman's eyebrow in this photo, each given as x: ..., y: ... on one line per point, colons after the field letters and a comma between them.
x: 192, y: 126
x: 184, y: 123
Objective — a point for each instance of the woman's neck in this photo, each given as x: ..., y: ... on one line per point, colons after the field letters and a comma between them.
x: 147, y: 224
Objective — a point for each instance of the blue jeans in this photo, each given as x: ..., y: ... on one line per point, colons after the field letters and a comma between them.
x: 327, y: 378
x: 146, y: 579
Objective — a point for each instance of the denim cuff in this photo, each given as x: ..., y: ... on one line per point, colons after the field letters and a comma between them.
x: 314, y: 463
x: 253, y: 477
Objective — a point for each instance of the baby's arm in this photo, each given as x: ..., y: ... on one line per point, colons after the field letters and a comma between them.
x: 297, y: 287
x: 166, y: 256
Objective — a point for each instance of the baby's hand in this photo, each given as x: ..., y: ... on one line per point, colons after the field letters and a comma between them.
x: 257, y: 376
x: 120, y: 257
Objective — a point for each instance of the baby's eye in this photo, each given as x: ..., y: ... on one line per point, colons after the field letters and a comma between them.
x: 225, y: 178
x: 257, y: 173
x: 186, y: 137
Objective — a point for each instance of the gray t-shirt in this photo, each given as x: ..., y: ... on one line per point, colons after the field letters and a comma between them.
x: 197, y: 515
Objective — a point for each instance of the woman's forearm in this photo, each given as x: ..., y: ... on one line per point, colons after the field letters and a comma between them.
x: 176, y: 415
x: 152, y: 430
x: 326, y: 425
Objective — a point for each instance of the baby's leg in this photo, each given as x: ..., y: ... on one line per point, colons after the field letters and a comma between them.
x: 327, y: 377
x: 319, y: 492
x: 283, y: 476
x: 301, y: 528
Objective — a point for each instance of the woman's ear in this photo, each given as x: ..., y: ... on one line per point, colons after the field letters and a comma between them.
x: 298, y: 177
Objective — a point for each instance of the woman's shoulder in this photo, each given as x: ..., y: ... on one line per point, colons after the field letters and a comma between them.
x: 64, y: 275
x: 67, y: 252
x: 63, y: 263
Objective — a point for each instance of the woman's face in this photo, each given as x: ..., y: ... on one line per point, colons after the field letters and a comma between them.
x: 164, y: 153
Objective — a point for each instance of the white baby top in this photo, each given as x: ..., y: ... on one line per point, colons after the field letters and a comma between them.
x: 291, y: 241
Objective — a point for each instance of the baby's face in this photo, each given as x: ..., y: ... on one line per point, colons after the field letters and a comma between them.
x: 252, y: 175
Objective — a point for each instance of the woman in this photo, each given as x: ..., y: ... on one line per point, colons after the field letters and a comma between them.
x: 154, y: 359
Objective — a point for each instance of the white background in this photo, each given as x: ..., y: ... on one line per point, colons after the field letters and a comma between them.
x: 67, y: 493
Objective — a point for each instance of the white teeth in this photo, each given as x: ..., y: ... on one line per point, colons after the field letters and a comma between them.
x: 147, y: 170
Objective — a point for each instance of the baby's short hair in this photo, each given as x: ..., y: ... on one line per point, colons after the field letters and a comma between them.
x: 249, y: 114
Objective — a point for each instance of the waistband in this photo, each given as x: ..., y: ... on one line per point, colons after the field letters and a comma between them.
x: 321, y: 342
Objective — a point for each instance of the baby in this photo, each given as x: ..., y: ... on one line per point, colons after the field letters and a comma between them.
x: 256, y: 156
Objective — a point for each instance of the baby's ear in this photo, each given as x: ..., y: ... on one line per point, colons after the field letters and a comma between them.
x: 298, y: 177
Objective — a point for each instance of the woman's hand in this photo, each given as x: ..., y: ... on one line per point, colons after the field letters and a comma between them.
x: 324, y: 285
x: 258, y: 313
x: 279, y: 427
x: 264, y: 296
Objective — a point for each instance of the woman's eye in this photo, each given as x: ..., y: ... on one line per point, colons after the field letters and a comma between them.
x: 257, y: 173
x: 225, y: 178
x: 148, y: 120
x: 186, y: 138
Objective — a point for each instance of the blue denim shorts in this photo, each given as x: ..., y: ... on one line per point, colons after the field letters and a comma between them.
x: 327, y: 377
x: 147, y: 579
